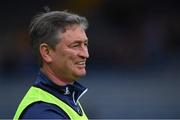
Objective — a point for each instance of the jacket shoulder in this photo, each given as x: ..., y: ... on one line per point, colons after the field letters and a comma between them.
x: 42, y: 110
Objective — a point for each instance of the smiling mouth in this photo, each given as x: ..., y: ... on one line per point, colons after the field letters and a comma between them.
x: 81, y: 64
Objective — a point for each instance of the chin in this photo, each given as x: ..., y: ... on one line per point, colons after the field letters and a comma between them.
x: 81, y: 74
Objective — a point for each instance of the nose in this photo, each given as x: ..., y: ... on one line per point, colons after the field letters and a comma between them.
x: 84, y: 52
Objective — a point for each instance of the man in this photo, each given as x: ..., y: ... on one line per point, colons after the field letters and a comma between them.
x: 61, y: 45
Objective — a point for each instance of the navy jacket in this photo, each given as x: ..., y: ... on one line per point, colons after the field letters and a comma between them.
x: 69, y: 94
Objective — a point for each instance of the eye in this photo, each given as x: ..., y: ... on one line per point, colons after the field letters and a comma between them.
x: 76, y: 45
x: 86, y: 43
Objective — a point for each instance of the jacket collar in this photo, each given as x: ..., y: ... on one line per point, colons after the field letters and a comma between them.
x: 76, y: 90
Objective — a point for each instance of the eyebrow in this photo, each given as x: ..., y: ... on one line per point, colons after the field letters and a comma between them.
x: 86, y: 40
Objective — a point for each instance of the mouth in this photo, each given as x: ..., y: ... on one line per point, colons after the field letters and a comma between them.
x: 81, y: 64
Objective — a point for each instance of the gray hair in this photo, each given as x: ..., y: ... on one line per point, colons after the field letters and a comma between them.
x: 45, y: 27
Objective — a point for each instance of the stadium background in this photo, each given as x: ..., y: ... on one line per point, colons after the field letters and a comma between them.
x: 134, y: 68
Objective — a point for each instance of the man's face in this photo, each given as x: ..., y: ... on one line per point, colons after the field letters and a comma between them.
x: 70, y: 54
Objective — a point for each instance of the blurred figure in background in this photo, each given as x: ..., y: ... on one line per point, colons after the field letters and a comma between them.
x: 61, y: 46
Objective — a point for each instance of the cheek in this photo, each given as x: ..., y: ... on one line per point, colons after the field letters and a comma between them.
x: 69, y: 57
x: 72, y: 59
x: 69, y: 54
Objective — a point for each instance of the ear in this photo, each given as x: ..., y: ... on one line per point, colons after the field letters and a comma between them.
x: 45, y: 52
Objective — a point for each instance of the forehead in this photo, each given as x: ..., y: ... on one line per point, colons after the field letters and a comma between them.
x: 74, y: 32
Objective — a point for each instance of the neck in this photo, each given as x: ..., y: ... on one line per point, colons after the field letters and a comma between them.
x: 53, y: 77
